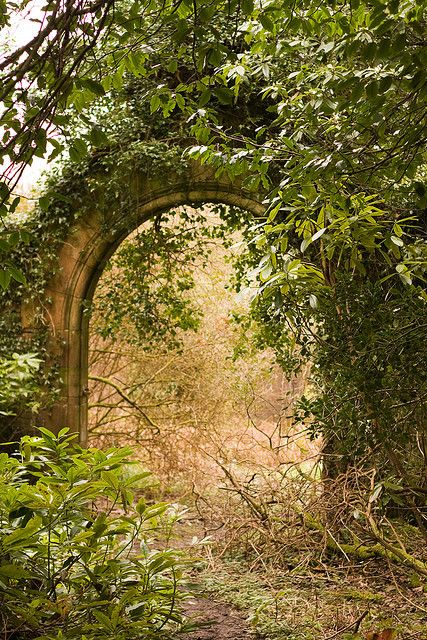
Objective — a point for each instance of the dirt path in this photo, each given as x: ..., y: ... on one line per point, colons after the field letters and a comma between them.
x: 219, y: 620
x: 225, y: 623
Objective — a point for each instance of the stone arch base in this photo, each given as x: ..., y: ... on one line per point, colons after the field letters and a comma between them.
x: 82, y: 258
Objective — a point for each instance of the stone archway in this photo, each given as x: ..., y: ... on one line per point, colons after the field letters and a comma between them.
x: 82, y: 257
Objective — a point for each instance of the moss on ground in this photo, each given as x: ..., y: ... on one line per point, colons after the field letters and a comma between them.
x: 316, y: 604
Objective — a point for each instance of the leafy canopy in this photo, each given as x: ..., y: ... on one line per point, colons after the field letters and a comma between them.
x: 341, y: 95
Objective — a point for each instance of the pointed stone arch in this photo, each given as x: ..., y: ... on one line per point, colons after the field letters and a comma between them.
x: 83, y: 254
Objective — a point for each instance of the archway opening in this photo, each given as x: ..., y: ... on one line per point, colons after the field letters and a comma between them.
x: 173, y: 370
x: 98, y: 228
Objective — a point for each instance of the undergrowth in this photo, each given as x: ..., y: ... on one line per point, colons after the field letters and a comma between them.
x: 77, y: 552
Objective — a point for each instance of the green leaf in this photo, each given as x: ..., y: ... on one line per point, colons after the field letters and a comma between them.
x: 180, y: 101
x: 17, y: 274
x: 22, y: 536
x: 5, y: 277
x: 155, y: 103
x: 266, y: 22
x: 155, y: 510
x: 224, y: 95
x: 247, y: 7
x: 111, y: 479
x: 141, y: 506
x: 204, y: 98
x: 206, y: 13
x: 215, y: 56
x: 404, y: 273
x: 4, y: 190
x: 80, y: 145
x: 397, y: 230
x: 94, y: 87
x: 78, y: 150
x: 44, y: 202
x: 103, y: 619
x: 181, y: 31
x: 13, y: 571
x: 98, y: 138
x: 304, y: 244
x: 172, y: 66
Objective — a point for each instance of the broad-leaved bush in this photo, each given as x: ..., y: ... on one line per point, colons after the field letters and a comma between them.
x: 76, y: 560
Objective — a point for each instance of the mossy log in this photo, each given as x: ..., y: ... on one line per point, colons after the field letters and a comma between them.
x: 382, y: 548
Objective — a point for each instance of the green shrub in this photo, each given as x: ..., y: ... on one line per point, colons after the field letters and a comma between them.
x: 17, y: 382
x: 75, y: 554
